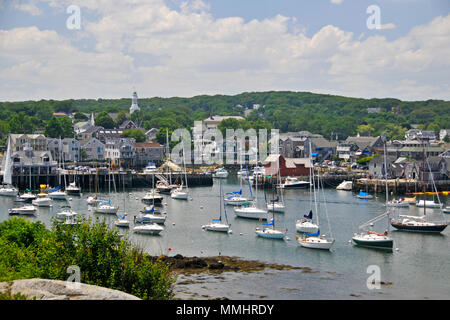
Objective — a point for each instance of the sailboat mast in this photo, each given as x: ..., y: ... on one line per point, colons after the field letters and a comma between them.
x: 423, y: 179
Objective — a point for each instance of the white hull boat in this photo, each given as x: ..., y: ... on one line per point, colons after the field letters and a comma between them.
x: 122, y: 223
x: 220, y: 173
x: 106, y: 208
x: 220, y: 227
x: 345, y: 185
x: 306, y: 226
x: 316, y: 243
x: 57, y: 195
x: 151, y: 218
x: 294, y: 183
x: 153, y: 229
x: 270, y: 233
x: 179, y: 194
x: 235, y: 201
x: 275, y: 207
x: 8, y: 192
x: 373, y: 240
x: 446, y: 210
x: 42, y: 200
x: 27, y: 197
x: 428, y: 204
x: 68, y: 213
x: 25, y: 210
x: 93, y: 201
x: 251, y: 212
x: 398, y: 204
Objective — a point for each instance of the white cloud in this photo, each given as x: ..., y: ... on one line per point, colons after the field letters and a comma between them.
x: 186, y: 52
x: 29, y: 7
x: 336, y: 1
x: 387, y: 26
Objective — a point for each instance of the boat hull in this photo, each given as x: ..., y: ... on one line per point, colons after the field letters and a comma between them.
x: 251, y: 213
x: 316, y: 243
x: 219, y: 227
x: 378, y: 244
x: 421, y: 228
x: 270, y: 234
x: 107, y: 209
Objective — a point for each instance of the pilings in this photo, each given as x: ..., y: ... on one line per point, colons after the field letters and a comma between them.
x: 399, y: 186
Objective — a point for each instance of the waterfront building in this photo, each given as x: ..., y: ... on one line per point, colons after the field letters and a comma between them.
x: 94, y: 149
x: 148, y: 152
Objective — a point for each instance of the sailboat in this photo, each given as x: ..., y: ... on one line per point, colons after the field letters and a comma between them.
x: 179, y: 193
x: 250, y: 209
x: 106, y: 206
x: 149, y: 213
x: 277, y: 205
x: 122, y: 221
x: 56, y: 193
x: 306, y: 224
x: 235, y: 198
x: 7, y: 189
x: 420, y: 223
x: 372, y: 239
x: 316, y: 240
x: 217, y: 224
x: 28, y: 196
x: 270, y: 233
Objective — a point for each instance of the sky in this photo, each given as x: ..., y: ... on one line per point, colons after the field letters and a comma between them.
x: 183, y: 48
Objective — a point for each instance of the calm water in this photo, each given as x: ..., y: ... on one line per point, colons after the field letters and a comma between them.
x: 419, y: 269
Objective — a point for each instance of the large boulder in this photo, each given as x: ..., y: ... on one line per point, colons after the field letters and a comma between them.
x: 43, y: 289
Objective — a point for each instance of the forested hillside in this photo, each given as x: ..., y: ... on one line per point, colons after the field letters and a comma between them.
x: 287, y: 111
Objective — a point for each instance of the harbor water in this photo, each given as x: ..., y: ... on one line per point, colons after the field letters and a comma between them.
x: 417, y: 268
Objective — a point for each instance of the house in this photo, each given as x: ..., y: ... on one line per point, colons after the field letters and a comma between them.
x: 128, y: 124
x: 443, y: 134
x: 287, y: 166
x: 434, y: 168
x: 366, y: 144
x: 213, y: 121
x: 89, y: 133
x: 151, y: 134
x: 67, y: 149
x: 59, y: 114
x: 108, y: 134
x: 120, y: 151
x: 348, y: 151
x: 148, y: 152
x: 38, y: 142
x: 418, y: 152
x: 39, y: 162
x: 377, y: 168
x: 417, y: 134
x: 94, y: 149
x: 81, y: 126
x: 297, y: 145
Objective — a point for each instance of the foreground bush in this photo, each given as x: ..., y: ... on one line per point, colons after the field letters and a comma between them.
x: 30, y: 250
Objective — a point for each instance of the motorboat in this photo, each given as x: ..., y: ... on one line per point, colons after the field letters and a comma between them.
x: 106, y: 207
x: 345, y: 185
x: 27, y: 196
x: 151, y: 197
x: 294, y: 183
x: 151, y: 228
x: 25, y: 210
x: 164, y: 188
x: 428, y: 204
x: 398, y: 203
x: 42, y: 200
x: 66, y: 213
x: 220, y: 173
x: 151, y: 168
x: 58, y: 195
x: 364, y: 195
x: 73, y: 189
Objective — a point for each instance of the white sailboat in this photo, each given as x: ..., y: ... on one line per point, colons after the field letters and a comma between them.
x: 150, y: 215
x: 277, y: 205
x: 7, y: 189
x: 122, y: 221
x: 151, y: 228
x: 372, y: 239
x: 317, y: 240
x: 57, y: 193
x: 180, y: 193
x: 42, y: 200
x: 306, y: 224
x: 270, y: 233
x: 217, y: 224
x: 235, y: 198
x: 106, y: 206
x: 250, y: 209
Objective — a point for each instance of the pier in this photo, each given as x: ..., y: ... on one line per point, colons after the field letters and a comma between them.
x: 91, y: 182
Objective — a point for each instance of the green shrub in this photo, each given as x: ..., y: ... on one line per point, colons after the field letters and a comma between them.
x: 29, y: 250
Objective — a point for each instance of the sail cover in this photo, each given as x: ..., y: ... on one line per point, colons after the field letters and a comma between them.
x: 55, y: 189
x: 268, y: 224
x: 309, y: 216
x: 313, y: 234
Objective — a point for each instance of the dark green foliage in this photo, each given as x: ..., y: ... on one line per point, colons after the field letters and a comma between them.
x: 135, y: 133
x: 29, y: 250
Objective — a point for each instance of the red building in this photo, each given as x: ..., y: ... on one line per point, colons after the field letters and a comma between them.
x: 287, y: 166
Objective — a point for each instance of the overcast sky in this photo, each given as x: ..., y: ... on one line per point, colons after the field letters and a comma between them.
x: 192, y: 47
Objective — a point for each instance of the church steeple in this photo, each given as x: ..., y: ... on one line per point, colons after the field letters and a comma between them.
x: 134, y: 103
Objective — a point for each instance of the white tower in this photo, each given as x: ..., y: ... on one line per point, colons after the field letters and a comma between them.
x: 134, y: 103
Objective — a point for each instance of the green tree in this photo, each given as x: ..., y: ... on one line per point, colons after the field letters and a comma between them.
x: 21, y: 123
x: 104, y: 120
x: 136, y: 134
x: 121, y: 117
x: 53, y: 129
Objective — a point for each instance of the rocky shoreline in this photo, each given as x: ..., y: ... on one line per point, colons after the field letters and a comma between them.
x: 219, y: 264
